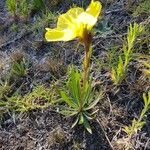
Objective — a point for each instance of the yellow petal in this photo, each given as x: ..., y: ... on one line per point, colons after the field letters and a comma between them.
x: 94, y: 8
x: 86, y: 19
x: 68, y: 20
x: 73, y: 23
x: 59, y: 35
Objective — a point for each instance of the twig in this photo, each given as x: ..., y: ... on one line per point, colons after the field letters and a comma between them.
x: 147, y: 144
x: 105, y: 134
x: 110, y: 36
x: 113, y: 11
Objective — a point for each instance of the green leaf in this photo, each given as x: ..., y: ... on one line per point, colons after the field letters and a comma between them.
x: 38, y: 5
x: 75, y: 123
x: 67, y: 100
x: 87, y: 115
x: 93, y: 103
x: 74, y: 85
x: 114, y: 75
x: 68, y: 113
x: 87, y: 95
x: 81, y: 121
x: 87, y: 125
x: 120, y: 70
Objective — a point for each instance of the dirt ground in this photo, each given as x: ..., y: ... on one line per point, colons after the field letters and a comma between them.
x: 45, y: 129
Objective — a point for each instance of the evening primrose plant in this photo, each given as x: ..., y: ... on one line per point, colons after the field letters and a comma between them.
x: 80, y: 99
x: 77, y: 23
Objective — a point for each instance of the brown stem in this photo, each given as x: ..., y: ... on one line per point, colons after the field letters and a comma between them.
x: 87, y: 40
x: 86, y: 69
x: 86, y: 63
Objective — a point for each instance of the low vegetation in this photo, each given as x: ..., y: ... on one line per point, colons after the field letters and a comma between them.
x: 75, y: 74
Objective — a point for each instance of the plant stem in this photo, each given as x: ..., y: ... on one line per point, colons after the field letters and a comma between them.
x: 86, y: 63
x: 87, y: 40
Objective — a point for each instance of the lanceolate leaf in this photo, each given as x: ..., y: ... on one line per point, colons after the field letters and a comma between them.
x: 87, y: 95
x: 73, y: 85
x: 87, y: 125
x: 93, y: 104
x: 67, y: 100
x: 68, y: 113
x: 81, y: 121
x: 76, y: 121
x: 87, y: 115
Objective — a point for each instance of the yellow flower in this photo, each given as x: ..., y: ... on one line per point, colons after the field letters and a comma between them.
x: 76, y: 23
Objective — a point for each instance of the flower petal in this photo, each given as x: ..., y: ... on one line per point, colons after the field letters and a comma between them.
x: 94, y: 8
x: 86, y: 19
x: 68, y: 20
x: 59, y: 35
